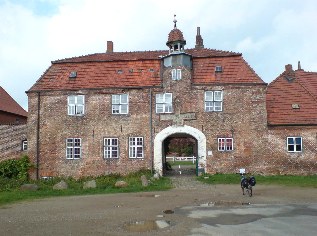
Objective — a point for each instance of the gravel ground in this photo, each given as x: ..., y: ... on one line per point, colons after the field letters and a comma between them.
x: 148, y: 213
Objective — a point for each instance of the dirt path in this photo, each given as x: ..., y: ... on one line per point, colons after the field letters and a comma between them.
x: 117, y: 214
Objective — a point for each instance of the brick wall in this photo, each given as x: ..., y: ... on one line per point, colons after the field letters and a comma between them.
x: 96, y: 124
x: 279, y: 161
x: 11, y: 137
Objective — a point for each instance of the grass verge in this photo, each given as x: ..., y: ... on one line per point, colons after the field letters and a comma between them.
x: 10, y: 189
x: 182, y: 163
x: 286, y: 180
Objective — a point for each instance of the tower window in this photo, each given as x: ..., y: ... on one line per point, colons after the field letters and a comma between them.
x: 176, y: 74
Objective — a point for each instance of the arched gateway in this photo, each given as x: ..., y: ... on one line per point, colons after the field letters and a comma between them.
x: 171, y: 130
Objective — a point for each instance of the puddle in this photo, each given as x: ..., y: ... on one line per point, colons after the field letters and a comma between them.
x: 147, y: 225
x: 148, y: 195
x: 168, y: 211
x: 224, y: 203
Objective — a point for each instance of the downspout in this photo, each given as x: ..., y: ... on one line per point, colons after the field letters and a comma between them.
x: 38, y: 135
x: 151, y: 133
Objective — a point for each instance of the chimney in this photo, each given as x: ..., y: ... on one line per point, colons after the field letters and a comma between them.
x: 289, y: 72
x: 199, y: 39
x: 288, y: 68
x: 109, y: 46
x: 299, y: 67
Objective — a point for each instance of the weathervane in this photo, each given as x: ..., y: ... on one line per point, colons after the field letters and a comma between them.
x: 175, y: 21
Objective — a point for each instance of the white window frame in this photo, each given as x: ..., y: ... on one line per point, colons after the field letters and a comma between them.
x: 111, y: 148
x: 136, y: 147
x: 164, y: 103
x: 297, y: 147
x: 176, y: 74
x: 118, y: 102
x: 223, y: 144
x: 76, y: 105
x: 213, y: 101
x: 73, y: 148
x: 24, y: 145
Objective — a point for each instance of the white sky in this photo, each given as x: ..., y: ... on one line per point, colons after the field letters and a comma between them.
x: 269, y: 33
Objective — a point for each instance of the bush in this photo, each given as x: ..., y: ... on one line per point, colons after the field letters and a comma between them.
x: 15, y: 168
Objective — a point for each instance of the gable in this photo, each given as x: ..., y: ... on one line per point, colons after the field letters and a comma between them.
x: 293, y: 102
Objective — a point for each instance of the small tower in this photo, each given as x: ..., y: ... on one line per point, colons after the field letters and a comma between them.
x: 177, y: 55
x: 176, y: 41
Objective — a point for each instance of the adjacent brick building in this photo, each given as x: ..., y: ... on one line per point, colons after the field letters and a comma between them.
x: 292, y: 122
x: 13, y: 130
x: 113, y: 112
x: 10, y: 111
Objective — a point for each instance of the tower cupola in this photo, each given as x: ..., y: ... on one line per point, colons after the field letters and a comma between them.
x: 177, y: 56
x: 176, y: 41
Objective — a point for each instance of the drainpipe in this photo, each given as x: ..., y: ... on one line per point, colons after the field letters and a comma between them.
x: 151, y: 133
x: 38, y: 135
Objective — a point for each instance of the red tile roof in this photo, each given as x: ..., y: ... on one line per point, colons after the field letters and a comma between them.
x: 283, y: 96
x: 138, y: 69
x: 8, y: 104
x: 235, y: 70
x: 175, y: 35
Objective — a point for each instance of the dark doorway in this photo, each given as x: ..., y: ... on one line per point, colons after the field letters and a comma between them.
x: 179, y: 153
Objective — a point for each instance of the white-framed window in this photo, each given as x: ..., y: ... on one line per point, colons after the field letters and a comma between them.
x: 73, y: 148
x: 213, y: 101
x: 176, y: 74
x: 110, y: 148
x: 136, y: 147
x: 225, y: 144
x: 120, y: 104
x: 76, y: 105
x: 24, y: 145
x: 164, y: 103
x: 294, y: 144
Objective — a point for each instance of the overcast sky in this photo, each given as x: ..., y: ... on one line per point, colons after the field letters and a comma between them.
x: 269, y: 33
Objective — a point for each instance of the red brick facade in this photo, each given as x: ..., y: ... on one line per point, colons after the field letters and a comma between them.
x: 258, y: 147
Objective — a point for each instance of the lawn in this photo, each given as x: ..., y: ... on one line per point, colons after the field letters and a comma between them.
x: 286, y: 180
x: 10, y: 188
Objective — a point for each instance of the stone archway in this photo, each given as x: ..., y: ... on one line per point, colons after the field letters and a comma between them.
x: 161, y: 136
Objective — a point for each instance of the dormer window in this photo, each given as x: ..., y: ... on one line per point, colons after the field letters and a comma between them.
x: 176, y: 74
x: 218, y: 69
x: 73, y: 74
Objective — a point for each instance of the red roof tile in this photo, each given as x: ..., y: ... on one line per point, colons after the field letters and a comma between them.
x: 8, y: 104
x: 284, y: 94
x: 234, y: 70
x: 175, y: 35
x: 135, y: 69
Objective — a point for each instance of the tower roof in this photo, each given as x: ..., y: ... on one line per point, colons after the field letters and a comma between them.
x: 175, y: 35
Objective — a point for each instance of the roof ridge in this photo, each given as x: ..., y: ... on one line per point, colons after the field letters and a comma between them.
x: 147, y: 54
x: 11, y: 106
x: 250, y: 67
x: 276, y: 79
x: 307, y: 90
